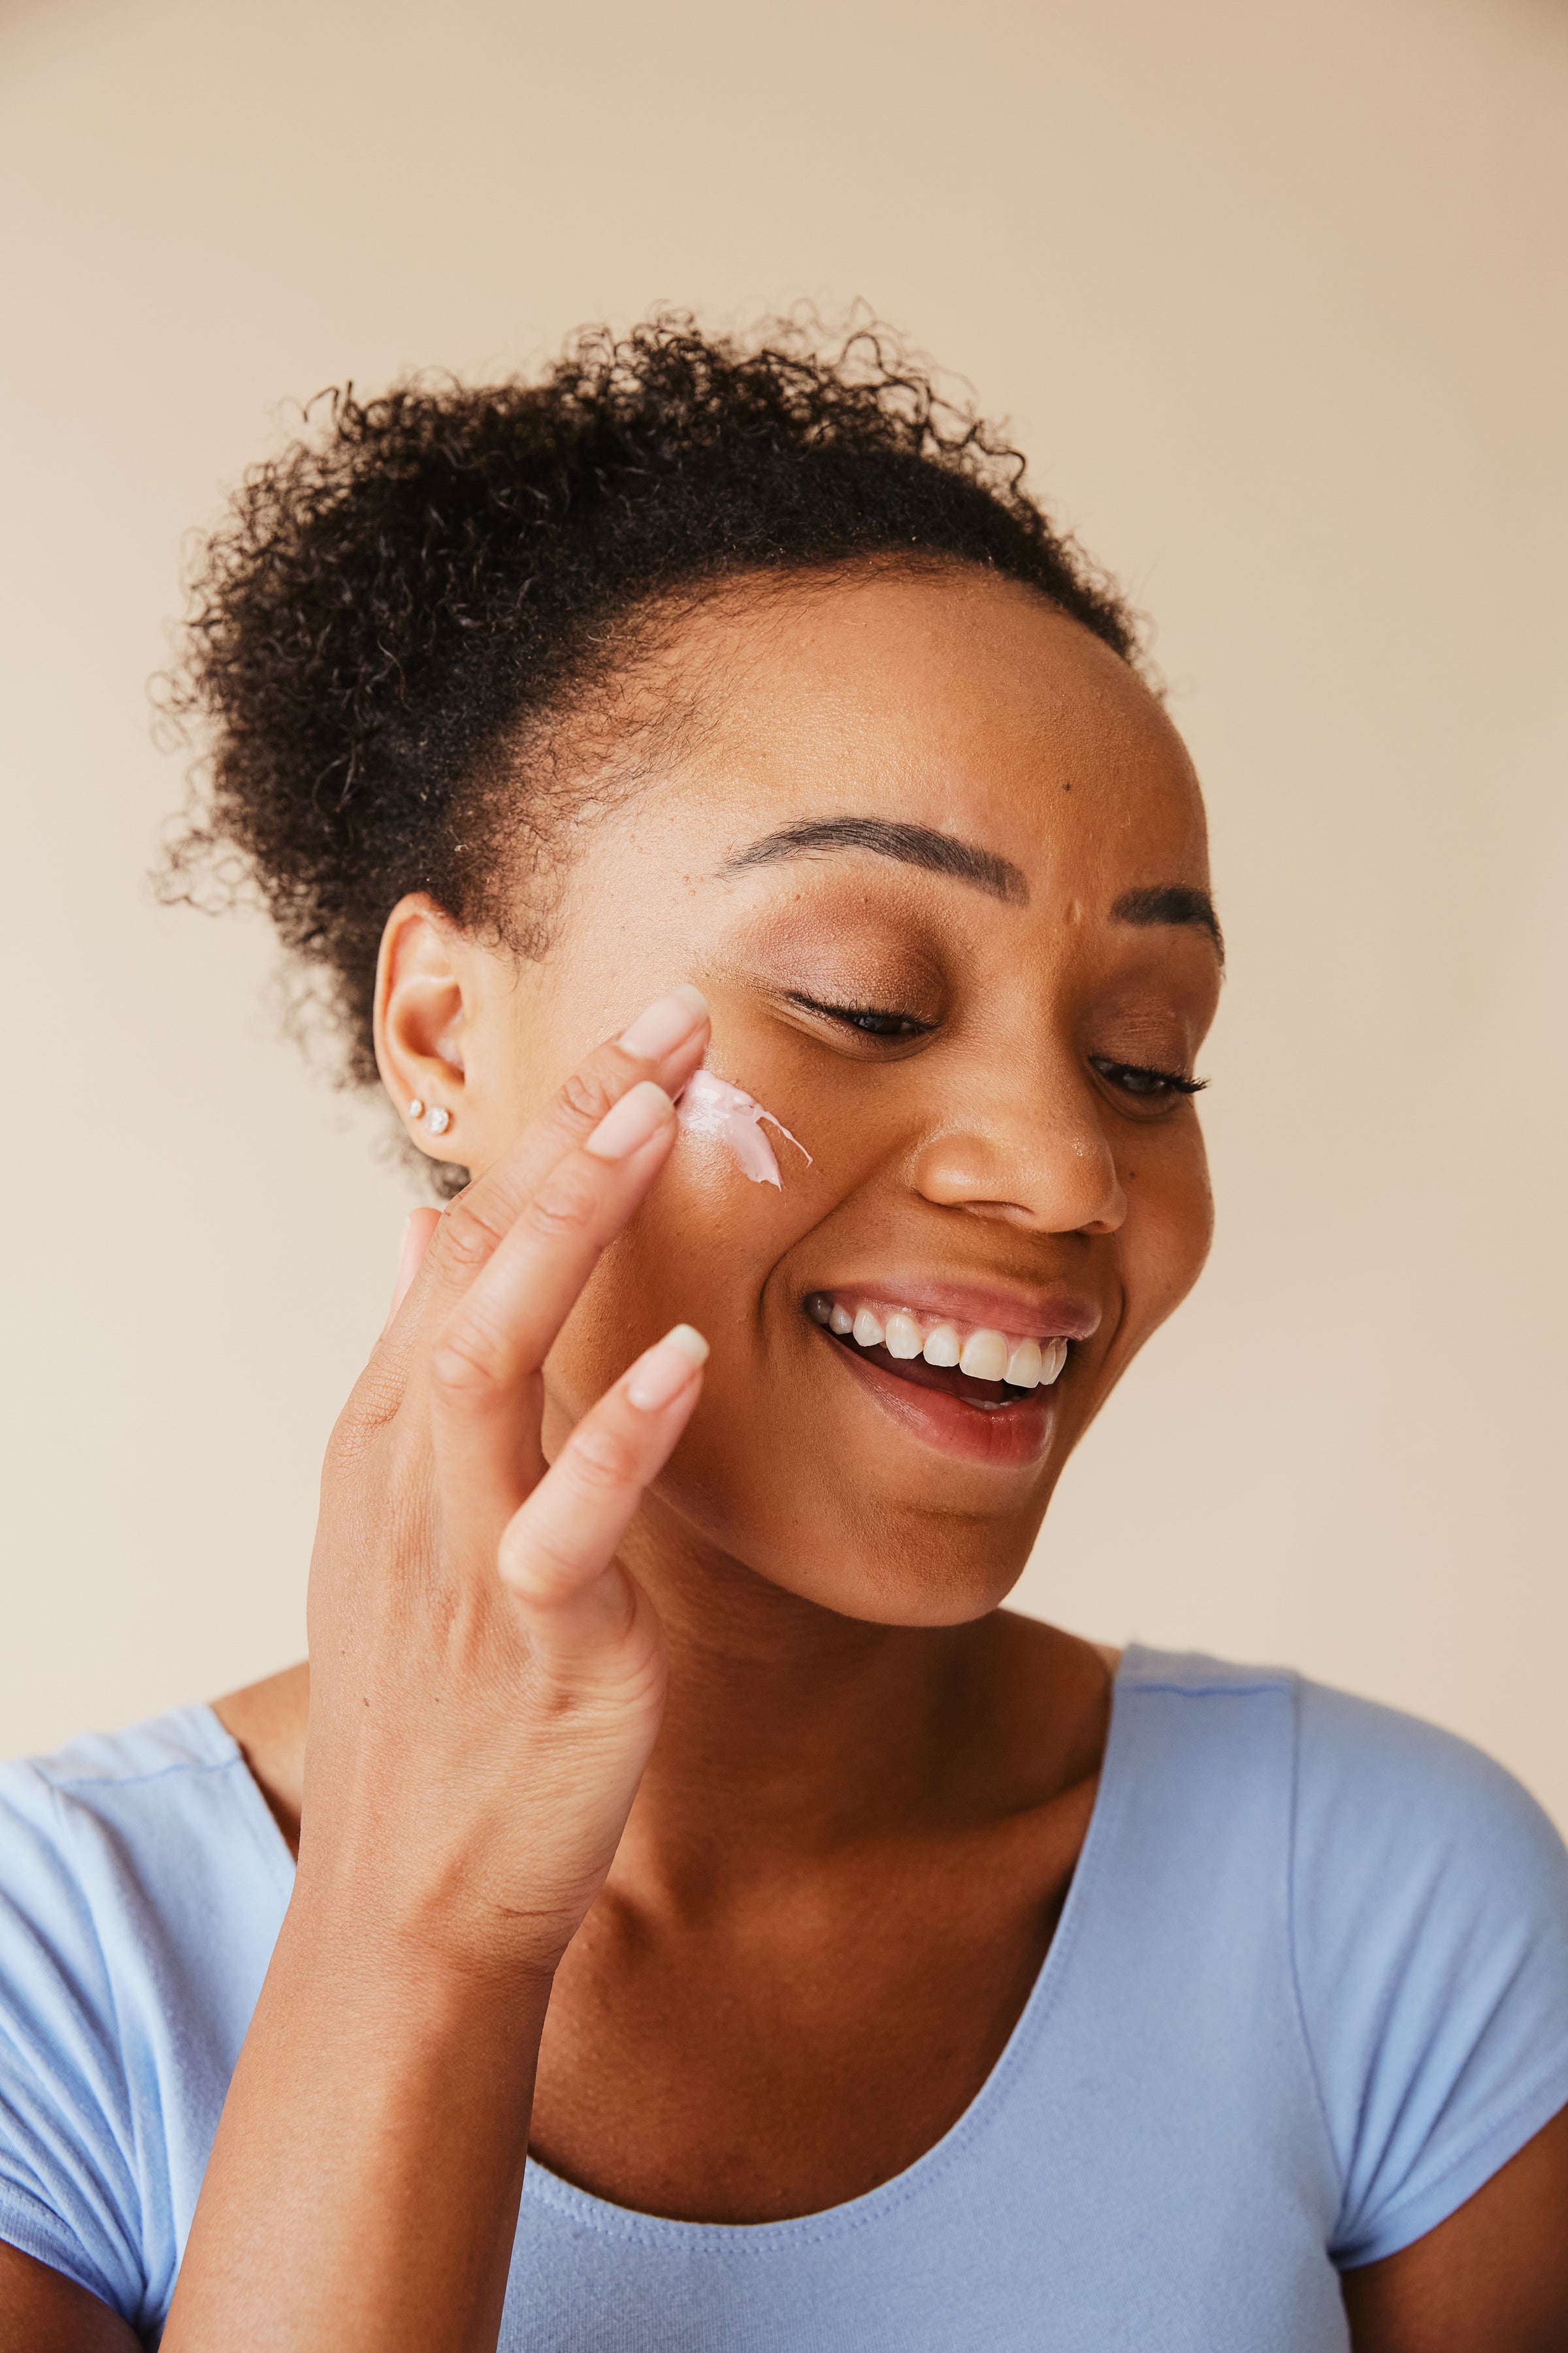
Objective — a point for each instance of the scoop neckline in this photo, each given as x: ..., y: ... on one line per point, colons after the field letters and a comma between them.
x: 584, y: 2209
x: 552, y: 2191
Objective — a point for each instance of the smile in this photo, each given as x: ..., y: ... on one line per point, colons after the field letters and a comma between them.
x: 978, y: 1363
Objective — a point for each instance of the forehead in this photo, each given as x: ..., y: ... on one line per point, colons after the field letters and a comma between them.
x: 952, y: 700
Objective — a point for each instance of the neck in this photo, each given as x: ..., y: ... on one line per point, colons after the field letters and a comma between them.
x: 789, y: 1731
x: 789, y: 1715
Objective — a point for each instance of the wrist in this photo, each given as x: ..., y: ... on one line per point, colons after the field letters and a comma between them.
x: 389, y: 1945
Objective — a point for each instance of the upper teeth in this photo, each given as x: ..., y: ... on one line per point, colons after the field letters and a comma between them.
x: 985, y: 1354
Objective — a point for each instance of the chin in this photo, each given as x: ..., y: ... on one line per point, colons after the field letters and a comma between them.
x: 864, y: 1551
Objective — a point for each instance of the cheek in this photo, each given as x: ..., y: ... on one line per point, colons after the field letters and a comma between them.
x: 1169, y: 1227
x: 700, y: 1251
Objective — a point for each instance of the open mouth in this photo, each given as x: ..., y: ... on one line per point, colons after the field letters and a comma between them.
x: 976, y: 1365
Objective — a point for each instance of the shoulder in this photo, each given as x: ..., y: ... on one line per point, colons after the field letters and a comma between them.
x: 111, y: 1844
x: 1430, y: 1938
x: 1420, y: 1855
x: 131, y: 1810
x: 1374, y: 1792
x: 1426, y: 1931
x: 128, y: 1860
x: 186, y: 1740
x: 1405, y: 1787
x: 141, y: 1883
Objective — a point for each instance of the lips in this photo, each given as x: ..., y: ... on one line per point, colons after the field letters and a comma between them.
x: 975, y: 1388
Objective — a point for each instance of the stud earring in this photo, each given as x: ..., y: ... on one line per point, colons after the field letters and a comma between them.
x: 415, y: 1108
x: 437, y: 1120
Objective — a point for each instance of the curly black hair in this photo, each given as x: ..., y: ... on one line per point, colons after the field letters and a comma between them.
x: 399, y: 610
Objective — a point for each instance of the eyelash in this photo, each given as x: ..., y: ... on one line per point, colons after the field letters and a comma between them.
x: 864, y: 1019
x: 862, y: 1016
x: 1119, y: 1073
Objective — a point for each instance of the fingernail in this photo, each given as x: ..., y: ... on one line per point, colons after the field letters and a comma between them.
x: 664, y: 1371
x: 659, y: 1029
x: 639, y: 1114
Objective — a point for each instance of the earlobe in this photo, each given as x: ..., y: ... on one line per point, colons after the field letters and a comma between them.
x: 421, y: 1011
x: 436, y: 1117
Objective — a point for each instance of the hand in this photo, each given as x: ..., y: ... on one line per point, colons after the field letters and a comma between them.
x: 487, y: 1680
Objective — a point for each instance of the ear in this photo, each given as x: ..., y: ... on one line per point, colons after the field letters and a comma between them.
x: 423, y: 979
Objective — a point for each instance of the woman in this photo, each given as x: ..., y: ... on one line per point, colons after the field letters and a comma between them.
x: 738, y: 835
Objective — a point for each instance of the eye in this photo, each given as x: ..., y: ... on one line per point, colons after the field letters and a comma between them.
x: 1148, y: 1086
x: 870, y: 1020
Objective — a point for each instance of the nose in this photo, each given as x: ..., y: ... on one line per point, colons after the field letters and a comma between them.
x: 1029, y: 1154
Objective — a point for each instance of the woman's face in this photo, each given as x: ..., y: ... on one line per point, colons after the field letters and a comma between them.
x: 965, y: 1052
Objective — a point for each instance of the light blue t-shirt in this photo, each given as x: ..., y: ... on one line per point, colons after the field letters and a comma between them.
x: 1310, y: 1989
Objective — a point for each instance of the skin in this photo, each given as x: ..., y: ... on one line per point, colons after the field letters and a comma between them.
x: 608, y: 1769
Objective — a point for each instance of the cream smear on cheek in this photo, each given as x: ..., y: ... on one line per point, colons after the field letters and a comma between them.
x: 710, y: 1107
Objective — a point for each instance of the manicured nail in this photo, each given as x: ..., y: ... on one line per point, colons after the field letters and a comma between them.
x: 660, y: 1028
x: 661, y: 1375
x: 639, y: 1114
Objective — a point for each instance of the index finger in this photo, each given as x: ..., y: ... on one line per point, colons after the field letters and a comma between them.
x: 665, y: 1043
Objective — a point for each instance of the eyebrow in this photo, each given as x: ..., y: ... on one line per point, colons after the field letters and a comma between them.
x: 1170, y: 903
x: 912, y: 845
x: 965, y: 861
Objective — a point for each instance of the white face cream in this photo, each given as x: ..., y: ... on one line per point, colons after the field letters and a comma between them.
x: 708, y: 1106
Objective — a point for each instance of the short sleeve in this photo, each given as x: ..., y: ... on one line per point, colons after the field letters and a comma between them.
x: 68, y: 2188
x: 1429, y: 1928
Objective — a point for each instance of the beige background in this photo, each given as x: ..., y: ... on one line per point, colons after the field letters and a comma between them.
x: 1273, y: 292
